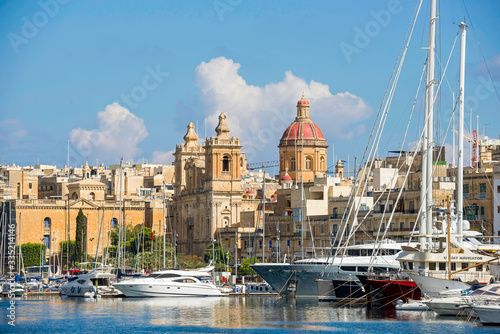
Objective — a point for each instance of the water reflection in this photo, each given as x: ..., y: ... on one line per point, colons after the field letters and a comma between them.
x: 220, y: 313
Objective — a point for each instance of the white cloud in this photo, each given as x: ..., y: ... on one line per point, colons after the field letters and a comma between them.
x: 11, y: 130
x: 117, y: 135
x: 259, y: 115
x: 160, y: 157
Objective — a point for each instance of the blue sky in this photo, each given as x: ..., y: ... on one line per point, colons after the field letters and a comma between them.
x: 124, y: 78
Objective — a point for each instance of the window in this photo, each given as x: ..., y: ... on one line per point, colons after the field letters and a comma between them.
x: 453, y: 266
x: 498, y: 189
x: 18, y: 190
x: 46, y: 241
x: 322, y: 163
x: 442, y: 266
x: 498, y: 209
x: 225, y: 164
x: 410, y: 265
x: 300, y: 244
x: 260, y: 243
x: 482, y: 190
x: 74, y: 196
x: 114, y: 222
x: 432, y: 265
x: 465, y: 265
x: 270, y: 244
x: 308, y: 163
x: 405, y: 265
x: 91, y: 196
x: 30, y: 185
x: 46, y: 222
x: 287, y: 243
x: 401, y: 226
x: 334, y: 228
x: 322, y: 228
x: 293, y: 165
x: 479, y: 268
x: 466, y: 191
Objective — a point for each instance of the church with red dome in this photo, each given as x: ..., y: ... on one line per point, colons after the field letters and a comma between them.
x: 303, y: 148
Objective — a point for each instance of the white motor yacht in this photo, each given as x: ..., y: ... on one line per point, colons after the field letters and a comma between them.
x: 79, y: 286
x: 90, y: 284
x: 488, y: 314
x: 170, y: 283
x: 451, y: 304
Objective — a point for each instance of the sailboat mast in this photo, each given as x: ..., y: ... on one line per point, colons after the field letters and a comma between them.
x: 120, y: 218
x: 430, y: 119
x: 460, y: 174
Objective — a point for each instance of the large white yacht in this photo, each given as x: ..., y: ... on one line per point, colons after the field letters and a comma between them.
x: 299, y: 278
x: 170, y: 283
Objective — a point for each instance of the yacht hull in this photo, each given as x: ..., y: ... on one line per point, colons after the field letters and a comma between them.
x: 297, y: 279
x: 167, y: 290
x: 488, y: 314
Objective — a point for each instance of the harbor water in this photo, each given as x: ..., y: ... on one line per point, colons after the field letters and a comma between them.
x: 240, y: 314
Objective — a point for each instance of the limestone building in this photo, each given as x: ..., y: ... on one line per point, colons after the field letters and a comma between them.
x: 208, y: 188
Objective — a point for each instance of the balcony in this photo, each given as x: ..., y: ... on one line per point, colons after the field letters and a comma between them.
x: 481, y: 196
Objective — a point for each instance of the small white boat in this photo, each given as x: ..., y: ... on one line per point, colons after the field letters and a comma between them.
x: 411, y: 305
x: 170, y: 283
x: 14, y: 288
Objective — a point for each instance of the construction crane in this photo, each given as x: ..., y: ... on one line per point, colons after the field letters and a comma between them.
x: 262, y: 165
x: 475, y: 145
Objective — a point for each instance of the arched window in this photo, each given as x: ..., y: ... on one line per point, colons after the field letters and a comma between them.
x: 114, y: 222
x: 91, y: 196
x: 46, y: 222
x: 308, y: 163
x: 293, y: 166
x: 225, y: 164
x: 74, y: 196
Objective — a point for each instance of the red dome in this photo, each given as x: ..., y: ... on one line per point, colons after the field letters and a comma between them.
x: 286, y: 178
x: 250, y: 192
x: 302, y: 102
x: 308, y: 129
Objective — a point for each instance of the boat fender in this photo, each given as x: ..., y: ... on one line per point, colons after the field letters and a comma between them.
x: 72, y: 289
x: 79, y: 289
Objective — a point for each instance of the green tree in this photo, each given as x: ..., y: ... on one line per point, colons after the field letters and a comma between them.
x: 221, y: 258
x: 68, y: 256
x: 32, y: 254
x: 189, y: 261
x: 141, y: 249
x: 244, y: 267
x: 80, y: 236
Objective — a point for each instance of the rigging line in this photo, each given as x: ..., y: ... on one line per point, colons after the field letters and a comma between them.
x: 375, y: 252
x: 481, y: 56
x: 444, y: 70
x: 378, y: 121
x: 386, y: 110
x: 386, y: 94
